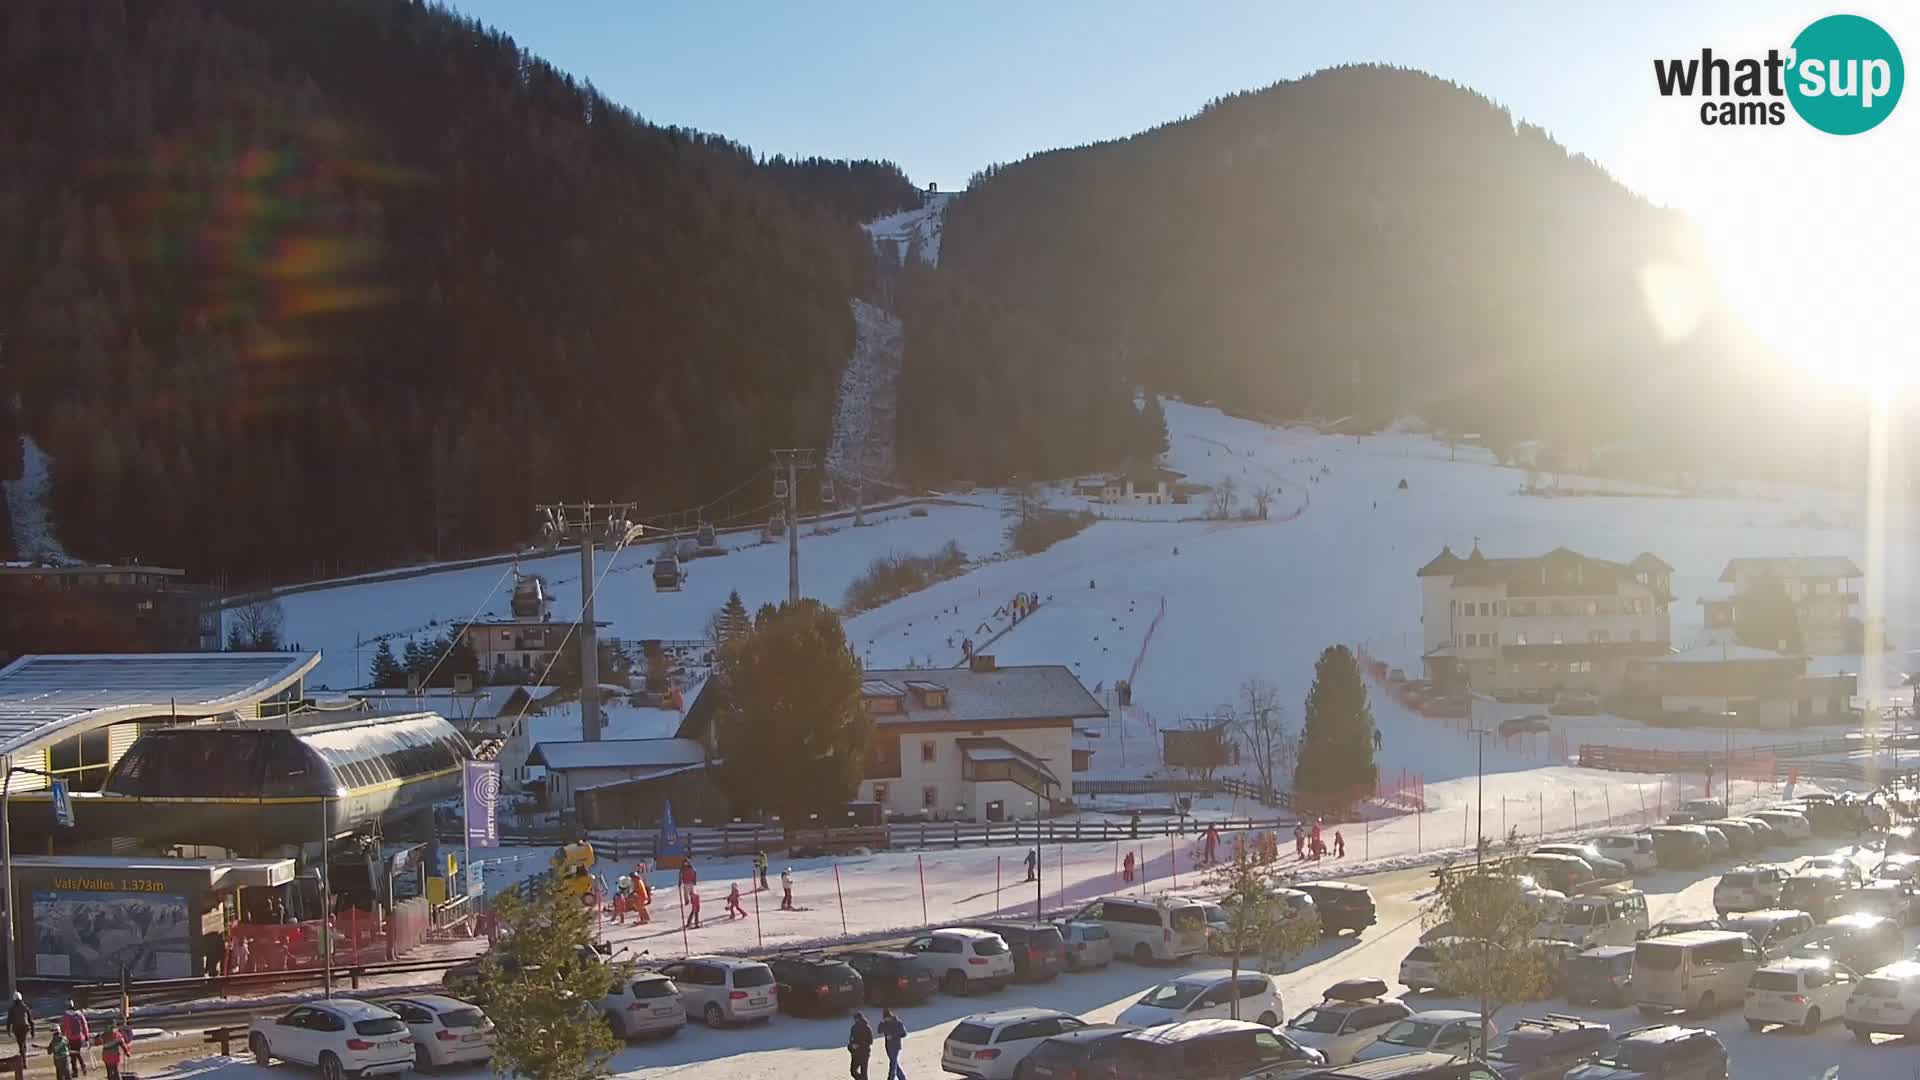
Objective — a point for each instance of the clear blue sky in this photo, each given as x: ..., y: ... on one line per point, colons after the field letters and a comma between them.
x: 945, y: 89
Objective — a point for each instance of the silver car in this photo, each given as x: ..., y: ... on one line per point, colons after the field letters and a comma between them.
x: 1089, y: 945
x: 724, y: 989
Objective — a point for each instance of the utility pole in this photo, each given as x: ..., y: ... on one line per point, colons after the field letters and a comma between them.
x: 1480, y: 799
x: 786, y: 485
x: 579, y: 522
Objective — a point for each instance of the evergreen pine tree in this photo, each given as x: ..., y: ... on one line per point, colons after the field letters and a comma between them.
x: 766, y: 612
x: 387, y: 674
x: 1153, y: 427
x: 1336, y: 739
x: 416, y: 659
x: 734, y: 623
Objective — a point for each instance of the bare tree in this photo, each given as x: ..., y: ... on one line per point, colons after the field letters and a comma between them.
x: 1261, y: 723
x: 1225, y: 494
x: 257, y: 627
x: 1263, y: 500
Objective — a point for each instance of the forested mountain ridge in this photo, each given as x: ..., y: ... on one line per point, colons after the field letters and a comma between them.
x: 1365, y: 241
x: 292, y: 287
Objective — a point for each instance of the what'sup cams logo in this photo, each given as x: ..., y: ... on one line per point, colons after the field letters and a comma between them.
x: 1843, y: 75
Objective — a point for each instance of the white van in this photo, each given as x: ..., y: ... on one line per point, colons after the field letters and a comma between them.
x: 1167, y: 928
x: 1777, y: 932
x: 1886, y: 1000
x: 1700, y: 970
x: 1599, y: 919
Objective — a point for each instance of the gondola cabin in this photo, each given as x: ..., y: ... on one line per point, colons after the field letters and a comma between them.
x: 706, y: 535
x: 257, y: 785
x: 667, y: 574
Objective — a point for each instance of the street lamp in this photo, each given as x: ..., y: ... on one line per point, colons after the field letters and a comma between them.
x: 6, y: 866
x: 1480, y: 796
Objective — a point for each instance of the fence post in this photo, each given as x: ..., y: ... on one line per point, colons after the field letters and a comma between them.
x: 922, y: 866
x: 1608, y: 792
x: 1574, y: 794
x: 841, y: 896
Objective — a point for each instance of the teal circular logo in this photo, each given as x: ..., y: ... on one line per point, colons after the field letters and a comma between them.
x: 1846, y: 74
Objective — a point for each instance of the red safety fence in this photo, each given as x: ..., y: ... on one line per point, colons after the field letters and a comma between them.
x: 360, y: 937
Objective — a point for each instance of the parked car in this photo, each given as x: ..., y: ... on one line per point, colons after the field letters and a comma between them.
x: 1211, y: 1050
x: 1218, y: 927
x: 1544, y: 1048
x: 1297, y: 903
x: 990, y: 1046
x: 340, y: 1036
x: 1670, y: 927
x: 1149, y: 930
x: 1039, y: 953
x: 1898, y: 868
x: 446, y: 1031
x: 724, y: 989
x: 1718, y: 846
x: 1089, y: 1053
x: 1601, y: 976
x: 1697, y: 971
x: 1530, y: 724
x: 1798, y: 993
x: 1342, y: 905
x: 1088, y: 944
x: 463, y: 980
x: 1860, y: 941
x: 963, y: 961
x: 1844, y: 865
x: 1423, y: 967
x: 1886, y: 1000
x: 1599, y: 919
x: 1681, y: 845
x: 891, y: 977
x: 1777, y: 931
x: 1764, y: 835
x: 1635, y: 850
x: 1208, y: 995
x: 1820, y: 893
x: 1888, y: 898
x: 1740, y: 838
x: 1351, y: 1015
x: 1446, y: 1031
x: 1663, y: 1052
x: 1790, y: 825
x: 816, y: 985
x: 1604, y: 868
x: 1706, y: 808
x: 1748, y: 888
x: 645, y: 1003
x: 1563, y: 873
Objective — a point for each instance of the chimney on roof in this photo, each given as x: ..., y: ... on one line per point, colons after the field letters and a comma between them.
x: 982, y: 662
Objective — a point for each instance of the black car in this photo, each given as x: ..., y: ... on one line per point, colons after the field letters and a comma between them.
x: 1086, y: 1054
x: 890, y: 976
x: 1544, y: 1048
x: 1661, y: 1052
x: 1039, y: 952
x: 816, y: 985
x: 1208, y: 1050
x: 1430, y: 1065
x: 1342, y: 905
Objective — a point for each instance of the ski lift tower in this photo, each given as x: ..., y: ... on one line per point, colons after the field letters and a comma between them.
x: 787, y: 465
x: 584, y: 522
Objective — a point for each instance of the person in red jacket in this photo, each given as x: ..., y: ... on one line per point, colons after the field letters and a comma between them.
x: 734, y: 908
x: 693, y: 911
x: 688, y: 878
x: 1126, y: 868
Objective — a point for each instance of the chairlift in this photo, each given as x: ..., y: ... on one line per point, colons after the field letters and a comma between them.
x: 779, y: 487
x: 616, y: 529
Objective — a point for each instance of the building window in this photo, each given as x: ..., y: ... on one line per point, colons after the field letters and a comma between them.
x: 880, y: 794
x: 929, y: 797
x: 927, y: 750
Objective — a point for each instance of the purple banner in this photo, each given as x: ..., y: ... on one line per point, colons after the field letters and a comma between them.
x: 482, y: 791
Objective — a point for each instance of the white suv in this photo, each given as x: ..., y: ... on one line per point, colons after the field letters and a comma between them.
x: 991, y: 1045
x: 1635, y: 850
x: 1749, y: 888
x: 340, y: 1035
x: 646, y: 1003
x: 446, y: 1031
x: 1340, y: 1027
x: 1208, y: 995
x: 964, y: 960
x: 1886, y: 1000
x: 1798, y: 993
x: 724, y: 989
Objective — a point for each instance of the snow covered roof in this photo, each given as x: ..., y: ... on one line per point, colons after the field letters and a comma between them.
x: 645, y: 773
x: 43, y: 698
x: 1791, y: 566
x: 1034, y: 692
x: 1560, y: 572
x: 481, y: 703
x: 1716, y: 654
x: 617, y: 754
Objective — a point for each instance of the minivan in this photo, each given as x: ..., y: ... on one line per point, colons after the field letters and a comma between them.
x: 1699, y: 971
x: 1602, y: 976
x: 1170, y: 928
x: 1776, y: 931
x: 1600, y: 919
x: 1680, y: 845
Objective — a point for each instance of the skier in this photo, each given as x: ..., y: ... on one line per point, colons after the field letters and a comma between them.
x: 118, y: 1046
x: 894, y: 1032
x: 734, y: 908
x: 1033, y: 864
x: 1378, y: 739
x: 859, y: 1047
x: 1299, y: 842
x: 1126, y: 869
x: 20, y: 1022
x: 642, y: 898
x: 1339, y: 845
x: 62, y: 1055
x: 688, y: 878
x: 760, y: 865
x: 73, y: 1024
x: 786, y: 890
x: 1313, y: 839
x: 693, y: 910
x: 1213, y: 844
